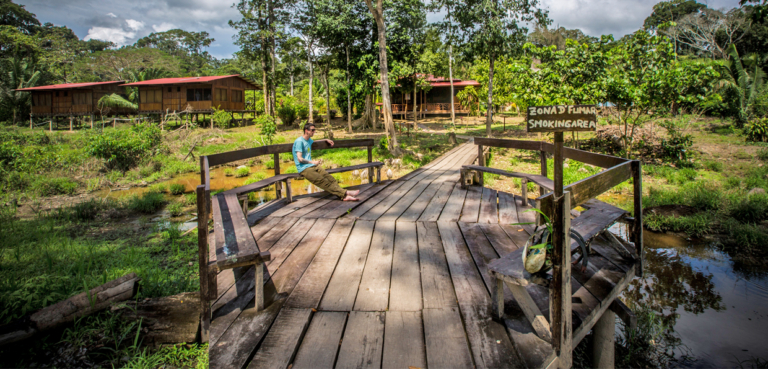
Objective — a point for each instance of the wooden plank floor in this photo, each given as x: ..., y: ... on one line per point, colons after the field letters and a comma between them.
x: 396, y: 280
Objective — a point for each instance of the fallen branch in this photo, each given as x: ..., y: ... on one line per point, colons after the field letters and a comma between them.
x: 66, y: 311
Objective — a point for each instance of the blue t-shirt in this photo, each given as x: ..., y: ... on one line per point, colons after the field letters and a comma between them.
x: 305, y: 147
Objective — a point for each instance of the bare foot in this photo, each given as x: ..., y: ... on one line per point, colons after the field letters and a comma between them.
x: 349, y: 198
x: 353, y: 193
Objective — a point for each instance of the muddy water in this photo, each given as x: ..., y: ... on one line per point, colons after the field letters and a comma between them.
x: 220, y: 181
x: 716, y: 307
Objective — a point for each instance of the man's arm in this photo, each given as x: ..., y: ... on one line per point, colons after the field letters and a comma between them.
x: 305, y: 161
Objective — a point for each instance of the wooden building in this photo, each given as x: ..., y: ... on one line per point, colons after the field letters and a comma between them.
x: 437, y: 100
x: 73, y: 99
x: 200, y: 94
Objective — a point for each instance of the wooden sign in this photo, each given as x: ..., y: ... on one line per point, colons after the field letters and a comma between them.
x: 561, y: 118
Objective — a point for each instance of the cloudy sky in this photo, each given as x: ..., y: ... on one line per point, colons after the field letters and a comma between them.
x: 125, y: 21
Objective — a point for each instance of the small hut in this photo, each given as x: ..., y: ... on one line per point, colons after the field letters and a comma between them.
x: 437, y: 100
x: 200, y: 94
x: 73, y: 99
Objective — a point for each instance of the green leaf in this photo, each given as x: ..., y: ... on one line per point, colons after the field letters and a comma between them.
x: 539, y: 246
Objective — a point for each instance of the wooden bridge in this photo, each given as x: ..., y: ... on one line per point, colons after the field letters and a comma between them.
x: 400, y: 279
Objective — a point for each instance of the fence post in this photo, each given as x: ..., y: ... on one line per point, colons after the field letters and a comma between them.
x: 560, y: 309
x: 480, y: 162
x: 203, y: 259
x: 543, y: 157
x: 637, y: 226
x: 370, y: 160
x: 278, y: 186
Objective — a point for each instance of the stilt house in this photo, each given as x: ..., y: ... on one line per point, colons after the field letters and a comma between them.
x: 437, y: 100
x: 73, y: 99
x: 193, y: 94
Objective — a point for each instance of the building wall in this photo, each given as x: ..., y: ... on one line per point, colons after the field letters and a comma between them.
x: 81, y: 101
x: 225, y: 94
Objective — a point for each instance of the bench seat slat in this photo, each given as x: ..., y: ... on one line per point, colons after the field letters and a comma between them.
x: 355, y: 167
x: 535, y: 178
x: 260, y: 184
x: 235, y: 245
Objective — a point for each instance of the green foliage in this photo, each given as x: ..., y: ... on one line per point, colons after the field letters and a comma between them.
x: 175, y: 209
x: 115, y: 101
x: 713, y: 165
x: 695, y: 225
x: 744, y: 79
x: 177, y: 189
x: 286, y: 111
x: 123, y: 149
x: 87, y: 210
x: 751, y: 209
x: 148, y: 203
x: 468, y: 98
x: 762, y: 154
x: 745, y: 236
x: 229, y: 172
x: 757, y: 130
x: 700, y: 194
x: 221, y: 117
x: 268, y: 127
x: 302, y: 111
x: 242, y: 172
x: 45, y: 186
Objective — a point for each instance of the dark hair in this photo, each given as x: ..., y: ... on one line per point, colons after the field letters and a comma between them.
x: 308, y: 126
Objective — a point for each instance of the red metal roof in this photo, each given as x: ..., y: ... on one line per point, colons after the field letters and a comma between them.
x: 175, y: 81
x: 460, y: 83
x: 66, y: 86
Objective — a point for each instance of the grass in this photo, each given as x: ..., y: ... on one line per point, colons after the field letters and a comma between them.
x: 45, y: 186
x: 177, y: 189
x: 696, y: 225
x: 242, y: 172
x: 175, y: 209
x: 148, y: 203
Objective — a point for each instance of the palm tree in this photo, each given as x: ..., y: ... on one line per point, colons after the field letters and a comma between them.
x: 746, y: 86
x: 144, y: 75
x: 20, y: 73
x: 115, y: 101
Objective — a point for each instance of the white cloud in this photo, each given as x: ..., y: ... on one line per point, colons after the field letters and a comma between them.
x: 162, y: 27
x: 134, y: 24
x: 116, y: 35
x: 112, y: 15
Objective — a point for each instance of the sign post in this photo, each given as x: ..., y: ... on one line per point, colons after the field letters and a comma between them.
x: 559, y: 119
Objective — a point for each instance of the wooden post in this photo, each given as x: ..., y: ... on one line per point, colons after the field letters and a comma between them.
x: 603, y: 340
x: 50, y: 125
x: 480, y: 162
x: 30, y: 121
x: 560, y: 292
x: 202, y: 258
x: 370, y: 160
x: 91, y: 121
x: 70, y: 123
x: 278, y: 187
x: 543, y: 157
x: 114, y: 122
x: 637, y: 226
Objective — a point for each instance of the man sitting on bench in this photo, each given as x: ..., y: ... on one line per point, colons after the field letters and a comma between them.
x: 310, y: 169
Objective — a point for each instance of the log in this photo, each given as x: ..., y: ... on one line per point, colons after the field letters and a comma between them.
x: 66, y: 311
x: 166, y: 320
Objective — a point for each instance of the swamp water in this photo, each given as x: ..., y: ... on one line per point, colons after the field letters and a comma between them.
x: 717, y: 308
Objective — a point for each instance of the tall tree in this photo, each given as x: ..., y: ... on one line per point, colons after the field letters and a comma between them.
x: 19, y: 72
x: 494, y: 29
x: 189, y: 46
x: 17, y: 16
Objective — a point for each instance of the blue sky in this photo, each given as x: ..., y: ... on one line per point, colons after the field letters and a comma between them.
x: 125, y: 21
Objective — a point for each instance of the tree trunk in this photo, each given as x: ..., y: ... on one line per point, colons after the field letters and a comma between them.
x: 450, y: 76
x: 349, y: 98
x: 311, y: 118
x: 327, y: 98
x: 414, y: 109
x: 291, y: 82
x: 265, y: 85
x: 378, y: 15
x: 489, y: 111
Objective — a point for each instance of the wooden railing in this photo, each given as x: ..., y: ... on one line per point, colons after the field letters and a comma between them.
x: 429, y: 107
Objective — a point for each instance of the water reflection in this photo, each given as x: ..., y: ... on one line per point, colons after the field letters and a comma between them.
x: 716, y: 315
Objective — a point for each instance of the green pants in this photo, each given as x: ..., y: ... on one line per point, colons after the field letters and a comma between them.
x: 320, y: 178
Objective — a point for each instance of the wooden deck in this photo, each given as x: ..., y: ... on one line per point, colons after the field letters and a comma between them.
x: 396, y: 280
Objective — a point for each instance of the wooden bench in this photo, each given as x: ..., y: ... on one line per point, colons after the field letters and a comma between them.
x: 543, y: 182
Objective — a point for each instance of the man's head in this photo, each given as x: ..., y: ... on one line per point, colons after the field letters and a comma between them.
x: 309, y: 130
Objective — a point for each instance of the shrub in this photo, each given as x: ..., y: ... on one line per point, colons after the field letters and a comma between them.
x: 175, y: 209
x: 292, y: 169
x: 270, y: 164
x: 757, y: 130
x: 222, y: 118
x: 122, y: 149
x: 302, y: 111
x: 242, y: 172
x: 54, y: 186
x: 86, y: 210
x: 177, y: 189
x: 17, y: 181
x: 703, y: 195
x: 158, y: 188
x: 229, y: 172
x: 148, y: 203
x: 762, y: 154
x: 268, y: 127
x: 286, y: 112
x: 190, y: 199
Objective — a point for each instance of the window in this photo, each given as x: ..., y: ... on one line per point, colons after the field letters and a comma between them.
x: 198, y: 94
x: 237, y: 96
x: 57, y: 93
x: 150, y: 96
x: 169, y: 89
x: 178, y: 89
x: 221, y: 94
x: 66, y: 93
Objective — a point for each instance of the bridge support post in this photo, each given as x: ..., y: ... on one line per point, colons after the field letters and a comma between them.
x: 603, y: 340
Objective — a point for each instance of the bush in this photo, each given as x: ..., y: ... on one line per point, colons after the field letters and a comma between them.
x: 757, y: 130
x: 158, y: 188
x: 704, y: 195
x: 242, y: 172
x: 268, y: 127
x: 752, y: 209
x: 229, y: 172
x: 302, y: 111
x: 177, y: 189
x: 17, y: 181
x: 122, y: 149
x: 175, y: 209
x: 148, y: 203
x: 221, y: 118
x: 54, y: 186
x: 762, y: 154
x: 286, y: 112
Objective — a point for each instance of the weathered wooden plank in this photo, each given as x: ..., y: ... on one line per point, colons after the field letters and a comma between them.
x: 230, y: 156
x: 596, y: 220
x: 420, y: 204
x: 364, y: 207
x: 404, y: 341
x: 498, y: 239
x: 338, y: 208
x: 363, y: 340
x: 471, y: 210
x: 488, y: 211
x: 373, y: 294
x: 275, y: 233
x: 281, y: 342
x: 235, y: 245
x: 236, y: 345
x: 452, y: 210
x: 227, y: 308
x: 525, y: 215
x: 621, y: 285
x: 437, y: 203
x: 265, y: 210
x: 311, y: 207
x: 481, y: 250
x: 509, y: 144
x: 405, y: 202
x: 590, y: 187
x: 382, y: 207
x: 446, y: 342
x: 285, y: 244
x: 436, y: 284
x: 309, y: 290
x: 405, y: 292
x: 296, y: 205
x: 262, y: 228
x: 342, y: 289
x: 491, y: 346
x: 287, y: 276
x: 321, y: 343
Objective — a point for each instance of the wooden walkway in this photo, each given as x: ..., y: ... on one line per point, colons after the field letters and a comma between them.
x: 396, y: 280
